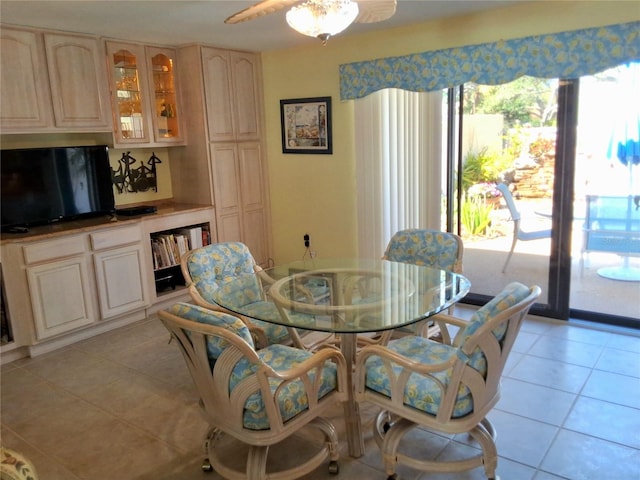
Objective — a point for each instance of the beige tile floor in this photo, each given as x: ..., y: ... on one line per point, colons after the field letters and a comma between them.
x: 121, y: 406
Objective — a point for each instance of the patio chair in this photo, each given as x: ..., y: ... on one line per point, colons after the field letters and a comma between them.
x: 257, y: 397
x: 212, y: 267
x: 518, y: 233
x: 447, y: 387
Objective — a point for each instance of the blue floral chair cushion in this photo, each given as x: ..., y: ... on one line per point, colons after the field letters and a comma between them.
x: 421, y: 392
x: 215, y: 345
x: 424, y: 247
x: 292, y: 399
x: 214, y: 266
x: 211, y: 266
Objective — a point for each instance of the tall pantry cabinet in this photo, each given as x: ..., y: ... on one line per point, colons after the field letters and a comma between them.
x: 222, y: 91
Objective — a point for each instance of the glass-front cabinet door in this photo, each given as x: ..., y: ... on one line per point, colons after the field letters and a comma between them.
x: 165, y: 106
x: 128, y: 92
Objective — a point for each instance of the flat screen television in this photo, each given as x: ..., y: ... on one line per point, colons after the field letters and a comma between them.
x: 45, y: 185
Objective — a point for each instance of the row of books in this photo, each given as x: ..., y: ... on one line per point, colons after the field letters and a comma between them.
x: 169, y: 247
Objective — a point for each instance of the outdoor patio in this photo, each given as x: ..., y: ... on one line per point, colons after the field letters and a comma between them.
x: 484, y: 258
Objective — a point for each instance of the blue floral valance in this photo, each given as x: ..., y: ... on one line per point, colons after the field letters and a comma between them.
x: 558, y: 55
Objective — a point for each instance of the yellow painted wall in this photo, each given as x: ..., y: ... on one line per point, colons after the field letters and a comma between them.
x: 315, y: 194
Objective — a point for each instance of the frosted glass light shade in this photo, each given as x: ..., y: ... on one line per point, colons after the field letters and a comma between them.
x: 322, y: 18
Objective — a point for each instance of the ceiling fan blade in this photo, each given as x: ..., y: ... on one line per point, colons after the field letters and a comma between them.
x: 259, y: 9
x: 371, y: 11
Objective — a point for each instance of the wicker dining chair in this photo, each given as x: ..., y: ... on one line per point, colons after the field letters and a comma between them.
x: 257, y: 397
x: 446, y: 387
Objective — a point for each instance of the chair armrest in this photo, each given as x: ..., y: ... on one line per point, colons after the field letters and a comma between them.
x: 264, y: 277
x: 443, y: 320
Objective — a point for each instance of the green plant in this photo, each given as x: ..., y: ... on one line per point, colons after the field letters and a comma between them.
x: 483, y: 166
x: 475, y: 215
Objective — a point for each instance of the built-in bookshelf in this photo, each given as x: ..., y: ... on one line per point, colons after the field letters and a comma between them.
x: 167, y: 249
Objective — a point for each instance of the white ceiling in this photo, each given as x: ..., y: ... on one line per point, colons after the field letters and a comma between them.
x: 177, y: 22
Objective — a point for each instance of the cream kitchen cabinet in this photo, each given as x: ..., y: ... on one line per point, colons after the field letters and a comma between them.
x: 52, y: 83
x: 69, y: 282
x: 66, y: 284
x: 145, y: 95
x: 166, y: 107
x: 60, y: 285
x: 120, y: 267
x: 25, y: 98
x: 129, y: 96
x: 224, y: 162
x: 233, y: 96
x: 78, y: 79
x: 240, y: 198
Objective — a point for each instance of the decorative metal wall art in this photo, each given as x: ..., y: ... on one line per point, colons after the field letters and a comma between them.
x: 128, y: 179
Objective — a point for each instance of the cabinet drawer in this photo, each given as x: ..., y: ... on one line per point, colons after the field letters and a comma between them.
x: 58, y: 248
x: 115, y: 237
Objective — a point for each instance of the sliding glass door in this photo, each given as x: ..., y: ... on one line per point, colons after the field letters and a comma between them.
x: 524, y: 158
x: 605, y: 267
x: 504, y: 157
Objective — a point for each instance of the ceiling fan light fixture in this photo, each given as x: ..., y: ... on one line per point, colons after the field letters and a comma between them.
x: 322, y: 18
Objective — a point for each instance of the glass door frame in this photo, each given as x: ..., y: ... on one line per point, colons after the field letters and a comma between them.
x: 560, y: 259
x: 560, y: 254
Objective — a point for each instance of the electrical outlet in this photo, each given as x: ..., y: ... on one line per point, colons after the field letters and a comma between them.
x: 307, y: 240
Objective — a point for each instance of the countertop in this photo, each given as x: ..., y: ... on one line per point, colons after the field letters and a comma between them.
x: 91, y: 224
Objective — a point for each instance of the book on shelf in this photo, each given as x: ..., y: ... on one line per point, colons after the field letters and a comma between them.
x: 183, y: 244
x: 194, y: 236
x: 161, y: 254
x: 206, y: 236
x: 169, y: 247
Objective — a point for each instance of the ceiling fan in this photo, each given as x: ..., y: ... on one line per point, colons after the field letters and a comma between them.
x: 320, y: 18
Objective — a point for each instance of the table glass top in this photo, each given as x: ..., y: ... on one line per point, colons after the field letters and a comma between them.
x: 343, y: 295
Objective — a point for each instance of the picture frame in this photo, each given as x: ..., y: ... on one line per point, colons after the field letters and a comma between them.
x: 306, y: 125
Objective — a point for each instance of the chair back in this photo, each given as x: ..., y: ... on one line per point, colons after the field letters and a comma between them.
x: 426, y: 247
x: 212, y: 344
x: 486, y: 342
x: 208, y: 268
x: 508, y: 199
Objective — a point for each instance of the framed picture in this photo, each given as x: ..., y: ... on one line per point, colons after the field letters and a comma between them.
x: 306, y: 125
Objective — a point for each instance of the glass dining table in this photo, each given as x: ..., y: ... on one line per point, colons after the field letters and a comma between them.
x: 347, y: 298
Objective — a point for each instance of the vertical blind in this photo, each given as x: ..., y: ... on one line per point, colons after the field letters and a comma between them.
x: 398, y: 145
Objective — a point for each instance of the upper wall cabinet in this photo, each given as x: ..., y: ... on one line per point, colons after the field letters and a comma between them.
x: 51, y: 82
x: 232, y: 83
x: 145, y: 96
x: 128, y: 95
x: 166, y: 113
x: 78, y: 79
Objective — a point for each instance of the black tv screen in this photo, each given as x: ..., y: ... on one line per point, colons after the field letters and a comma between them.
x: 44, y: 185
